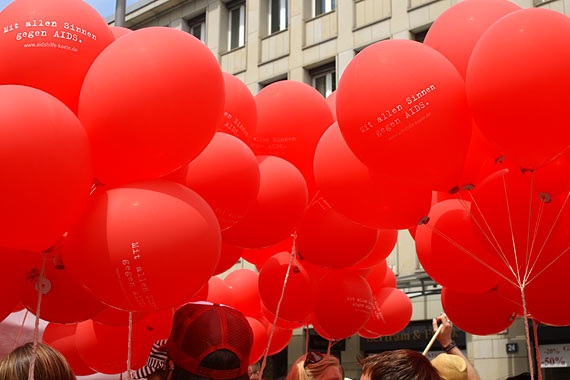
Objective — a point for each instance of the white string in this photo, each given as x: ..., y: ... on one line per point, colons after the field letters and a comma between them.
x: 527, y: 335
x: 129, y: 374
x: 512, y: 232
x: 527, y: 262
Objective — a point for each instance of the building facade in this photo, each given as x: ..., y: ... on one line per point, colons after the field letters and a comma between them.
x: 313, y: 41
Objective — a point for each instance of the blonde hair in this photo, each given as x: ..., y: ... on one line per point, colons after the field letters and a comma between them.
x: 50, y: 364
x: 314, y: 370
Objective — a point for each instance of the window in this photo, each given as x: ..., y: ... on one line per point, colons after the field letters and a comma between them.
x: 322, y: 6
x: 277, y: 15
x: 266, y: 83
x: 420, y: 35
x: 236, y: 26
x: 197, y: 27
x: 324, y: 79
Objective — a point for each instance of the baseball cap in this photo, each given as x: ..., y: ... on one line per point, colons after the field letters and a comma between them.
x: 200, y: 328
x: 450, y: 367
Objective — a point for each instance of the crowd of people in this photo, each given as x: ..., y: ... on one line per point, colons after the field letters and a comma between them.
x: 213, y: 342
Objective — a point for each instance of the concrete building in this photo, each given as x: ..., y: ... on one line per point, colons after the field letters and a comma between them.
x: 313, y: 41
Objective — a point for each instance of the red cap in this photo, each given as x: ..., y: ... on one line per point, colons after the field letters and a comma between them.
x: 200, y: 328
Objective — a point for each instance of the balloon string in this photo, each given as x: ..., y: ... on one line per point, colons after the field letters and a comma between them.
x: 21, y: 330
x: 548, y: 266
x: 306, y: 339
x: 512, y: 231
x: 529, y: 219
x: 264, y: 362
x: 40, y: 285
x: 530, y: 365
x: 329, y: 348
x: 538, y: 220
x: 458, y: 246
x: 497, y: 248
x: 536, y: 349
x: 546, y: 240
x: 129, y: 374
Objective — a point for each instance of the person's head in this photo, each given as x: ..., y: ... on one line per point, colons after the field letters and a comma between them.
x: 49, y: 364
x: 316, y: 366
x: 209, y: 341
x: 398, y: 365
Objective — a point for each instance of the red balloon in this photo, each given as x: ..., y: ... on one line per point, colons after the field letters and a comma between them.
x: 331, y: 102
x: 229, y: 256
x: 119, y: 31
x: 456, y: 31
x: 115, y: 317
x: 538, y: 38
x: 426, y: 109
x: 62, y: 338
x: 319, y: 330
x: 329, y: 239
x: 479, y: 314
x: 554, y: 178
x: 380, y: 276
x: 226, y: 175
x: 368, y: 334
x: 505, y: 199
x: 157, y: 240
x: 240, y: 110
x: 46, y: 168
x: 292, y: 116
x: 385, y: 244
x: 12, y: 281
x: 245, y: 292
x: 64, y: 299
x: 280, y: 339
x: 482, y: 160
x: 201, y: 294
x: 144, y: 125
x: 361, y: 194
x: 444, y: 261
x: 219, y: 292
x: 260, y: 256
x: 260, y: 339
x: 55, y: 40
x: 391, y: 312
x: 297, y: 301
x: 342, y: 304
x: 280, y: 205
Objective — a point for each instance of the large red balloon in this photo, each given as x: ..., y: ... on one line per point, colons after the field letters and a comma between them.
x: 481, y: 161
x: 226, y: 175
x: 143, y: 125
x: 329, y: 239
x: 62, y: 338
x: 157, y: 240
x: 292, y: 116
x: 469, y: 269
x: 361, y: 194
x: 45, y: 170
x: 554, y: 178
x: 479, y: 314
x: 260, y: 339
x: 456, y: 31
x: 385, y: 244
x: 342, y: 303
x: 509, y: 92
x: 391, y: 312
x: 331, y: 102
x: 282, y: 323
x: 240, y: 110
x: 280, y: 205
x: 64, y: 299
x: 424, y: 111
x: 119, y: 31
x: 519, y: 222
x: 380, y: 276
x: 245, y: 292
x: 229, y: 256
x: 297, y: 301
x: 280, y: 339
x: 115, y: 317
x: 51, y: 45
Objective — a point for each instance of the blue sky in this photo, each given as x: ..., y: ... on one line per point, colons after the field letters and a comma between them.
x: 104, y: 7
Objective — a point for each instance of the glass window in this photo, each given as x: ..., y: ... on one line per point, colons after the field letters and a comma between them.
x: 236, y: 27
x: 324, y: 79
x: 322, y: 6
x: 277, y: 15
x: 197, y: 27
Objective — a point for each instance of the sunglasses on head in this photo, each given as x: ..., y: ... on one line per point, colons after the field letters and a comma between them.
x: 312, y: 358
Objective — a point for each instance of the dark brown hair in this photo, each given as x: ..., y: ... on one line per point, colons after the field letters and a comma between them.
x: 50, y: 364
x: 398, y: 365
